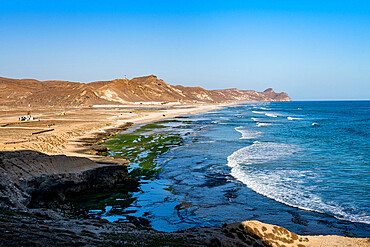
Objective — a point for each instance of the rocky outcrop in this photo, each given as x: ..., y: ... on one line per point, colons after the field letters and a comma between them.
x: 271, y: 235
x: 119, y: 91
x: 29, y: 229
x: 30, y: 179
x: 59, y: 190
x: 270, y: 94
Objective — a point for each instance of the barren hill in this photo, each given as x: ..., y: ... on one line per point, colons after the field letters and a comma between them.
x: 20, y: 92
x: 119, y: 91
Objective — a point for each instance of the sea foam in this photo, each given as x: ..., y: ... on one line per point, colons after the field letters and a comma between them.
x: 263, y: 124
x: 248, y: 133
x: 294, y: 118
x: 269, y: 114
x: 292, y: 187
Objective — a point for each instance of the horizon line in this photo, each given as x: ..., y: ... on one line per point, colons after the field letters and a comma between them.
x: 332, y: 100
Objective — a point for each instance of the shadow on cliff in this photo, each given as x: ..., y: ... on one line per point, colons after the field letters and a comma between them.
x: 30, y: 179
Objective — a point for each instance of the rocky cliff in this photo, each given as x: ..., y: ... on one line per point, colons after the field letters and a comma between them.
x: 32, y: 179
x: 119, y: 91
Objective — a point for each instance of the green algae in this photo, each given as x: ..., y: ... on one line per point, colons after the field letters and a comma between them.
x: 142, y: 147
x: 151, y: 126
x: 168, y: 121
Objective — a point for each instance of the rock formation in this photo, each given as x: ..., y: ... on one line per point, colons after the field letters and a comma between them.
x: 30, y: 179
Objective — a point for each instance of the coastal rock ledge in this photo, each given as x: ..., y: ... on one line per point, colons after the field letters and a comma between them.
x: 30, y: 179
x: 36, y: 210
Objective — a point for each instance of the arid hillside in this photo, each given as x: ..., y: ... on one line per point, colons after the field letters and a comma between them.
x: 21, y: 92
x: 119, y: 91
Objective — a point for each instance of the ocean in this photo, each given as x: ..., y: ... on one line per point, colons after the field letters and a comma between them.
x: 300, y: 165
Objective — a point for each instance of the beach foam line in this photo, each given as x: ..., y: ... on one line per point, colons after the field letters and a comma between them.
x: 294, y: 118
x: 247, y: 133
x: 259, y: 122
x: 283, y: 185
x: 269, y: 114
x: 263, y: 124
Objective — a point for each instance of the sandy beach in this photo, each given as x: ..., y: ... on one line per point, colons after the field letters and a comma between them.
x: 63, y: 126
x: 57, y: 131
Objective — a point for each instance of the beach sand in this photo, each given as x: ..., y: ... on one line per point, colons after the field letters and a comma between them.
x: 62, y: 127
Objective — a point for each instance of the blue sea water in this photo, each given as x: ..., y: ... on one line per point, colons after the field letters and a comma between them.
x: 301, y: 165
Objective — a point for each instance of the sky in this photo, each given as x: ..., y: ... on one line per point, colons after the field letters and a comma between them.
x: 312, y: 50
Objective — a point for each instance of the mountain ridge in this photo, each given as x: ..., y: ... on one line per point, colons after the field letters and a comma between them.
x: 120, y: 91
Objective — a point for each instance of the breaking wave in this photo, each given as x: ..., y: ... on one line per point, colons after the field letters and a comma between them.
x: 292, y: 187
x: 248, y: 133
x: 269, y: 114
x: 294, y: 118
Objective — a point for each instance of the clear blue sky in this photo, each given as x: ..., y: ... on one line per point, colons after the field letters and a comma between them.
x: 309, y: 49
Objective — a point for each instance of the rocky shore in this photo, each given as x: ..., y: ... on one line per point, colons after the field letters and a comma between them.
x: 38, y: 192
x: 44, y: 221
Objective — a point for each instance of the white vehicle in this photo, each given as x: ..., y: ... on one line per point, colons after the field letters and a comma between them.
x: 26, y: 118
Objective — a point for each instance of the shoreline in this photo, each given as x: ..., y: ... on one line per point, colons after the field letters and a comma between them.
x: 75, y: 148
x: 347, y: 233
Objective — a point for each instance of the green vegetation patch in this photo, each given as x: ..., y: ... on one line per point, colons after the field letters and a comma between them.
x: 148, y: 127
x: 168, y: 121
x: 141, y: 150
